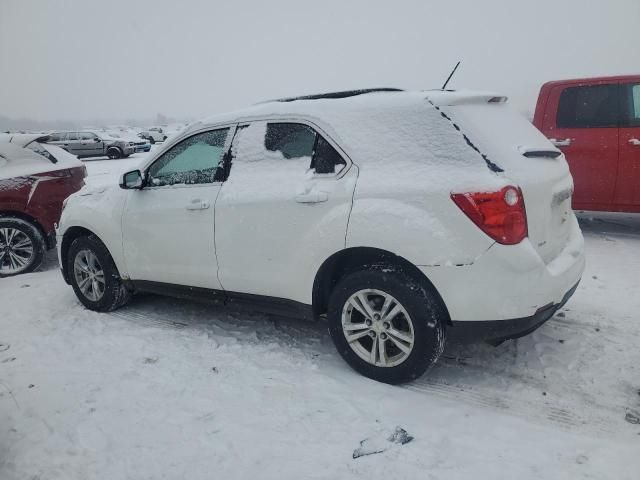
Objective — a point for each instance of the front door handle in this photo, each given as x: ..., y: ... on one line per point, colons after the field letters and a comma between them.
x: 560, y: 142
x: 312, y: 197
x: 635, y: 142
x: 197, y: 204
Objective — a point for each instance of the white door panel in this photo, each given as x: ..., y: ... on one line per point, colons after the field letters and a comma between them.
x: 168, y: 235
x: 168, y: 226
x: 276, y: 222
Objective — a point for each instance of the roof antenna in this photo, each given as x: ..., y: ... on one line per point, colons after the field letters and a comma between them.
x: 450, y: 75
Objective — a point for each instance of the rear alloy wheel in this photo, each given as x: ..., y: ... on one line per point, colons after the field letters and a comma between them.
x: 114, y: 153
x: 93, y: 275
x: 21, y: 247
x: 385, y: 324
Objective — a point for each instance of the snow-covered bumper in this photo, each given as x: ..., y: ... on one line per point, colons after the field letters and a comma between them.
x: 509, y: 290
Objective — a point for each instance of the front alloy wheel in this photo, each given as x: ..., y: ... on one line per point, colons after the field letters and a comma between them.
x: 378, y: 328
x: 89, y: 275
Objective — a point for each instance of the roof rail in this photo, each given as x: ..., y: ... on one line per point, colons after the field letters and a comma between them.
x: 334, y: 95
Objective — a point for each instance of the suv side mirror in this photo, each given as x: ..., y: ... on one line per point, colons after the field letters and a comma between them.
x: 131, y: 180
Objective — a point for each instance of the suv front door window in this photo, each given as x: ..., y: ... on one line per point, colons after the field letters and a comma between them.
x: 176, y: 209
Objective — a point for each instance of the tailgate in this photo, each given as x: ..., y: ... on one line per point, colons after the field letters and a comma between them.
x: 530, y: 161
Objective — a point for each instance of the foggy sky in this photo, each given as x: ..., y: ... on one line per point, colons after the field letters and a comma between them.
x: 86, y: 59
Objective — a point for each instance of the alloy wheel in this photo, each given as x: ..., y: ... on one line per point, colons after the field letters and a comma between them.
x: 89, y: 275
x: 377, y: 328
x: 16, y: 250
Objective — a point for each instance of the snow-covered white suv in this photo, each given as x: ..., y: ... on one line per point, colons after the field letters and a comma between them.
x: 403, y: 217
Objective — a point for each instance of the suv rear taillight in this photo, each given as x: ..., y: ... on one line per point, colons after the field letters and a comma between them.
x: 501, y: 214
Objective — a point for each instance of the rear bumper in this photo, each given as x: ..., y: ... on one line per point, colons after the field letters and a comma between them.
x: 509, y: 282
x: 497, y: 331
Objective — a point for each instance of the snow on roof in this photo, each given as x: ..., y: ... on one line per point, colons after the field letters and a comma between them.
x: 17, y: 161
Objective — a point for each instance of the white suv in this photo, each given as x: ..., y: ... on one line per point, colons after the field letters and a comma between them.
x: 398, y: 216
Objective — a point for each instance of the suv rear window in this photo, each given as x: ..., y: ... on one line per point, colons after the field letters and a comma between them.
x: 42, y: 151
x: 593, y: 106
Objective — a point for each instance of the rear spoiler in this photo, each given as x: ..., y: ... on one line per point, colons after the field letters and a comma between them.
x: 463, y: 97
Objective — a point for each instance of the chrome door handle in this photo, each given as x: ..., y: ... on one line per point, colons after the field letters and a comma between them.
x: 312, y: 197
x: 560, y: 142
x: 198, y: 204
x: 635, y: 142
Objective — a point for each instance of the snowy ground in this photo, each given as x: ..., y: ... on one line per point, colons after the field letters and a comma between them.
x: 170, y: 389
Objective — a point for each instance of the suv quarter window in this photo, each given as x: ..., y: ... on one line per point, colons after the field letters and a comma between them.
x: 195, y: 160
x: 589, y: 106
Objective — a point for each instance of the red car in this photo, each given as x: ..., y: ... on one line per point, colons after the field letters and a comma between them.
x: 35, y: 178
x: 596, y: 123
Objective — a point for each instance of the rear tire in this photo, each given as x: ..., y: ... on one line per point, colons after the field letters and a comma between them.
x: 22, y: 247
x: 403, y: 316
x: 94, y: 277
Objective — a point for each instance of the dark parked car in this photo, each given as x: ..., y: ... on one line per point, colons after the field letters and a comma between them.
x: 35, y: 179
x: 91, y: 144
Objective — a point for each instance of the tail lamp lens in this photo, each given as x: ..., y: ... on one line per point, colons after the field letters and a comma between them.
x: 500, y: 214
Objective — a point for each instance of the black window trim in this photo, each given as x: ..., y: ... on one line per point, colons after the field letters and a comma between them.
x: 319, y: 131
x: 227, y: 146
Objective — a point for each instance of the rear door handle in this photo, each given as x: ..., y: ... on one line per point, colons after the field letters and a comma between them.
x: 560, y: 142
x: 635, y: 142
x: 198, y: 204
x: 312, y: 197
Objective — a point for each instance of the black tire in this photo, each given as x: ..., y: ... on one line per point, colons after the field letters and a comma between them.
x: 424, y: 307
x: 115, y: 293
x: 29, y: 231
x: 152, y: 141
x: 114, y: 153
x: 164, y: 138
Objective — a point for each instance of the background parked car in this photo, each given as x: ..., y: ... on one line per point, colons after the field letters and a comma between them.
x: 139, y: 145
x: 35, y: 179
x: 154, y: 134
x: 91, y: 144
x: 596, y: 123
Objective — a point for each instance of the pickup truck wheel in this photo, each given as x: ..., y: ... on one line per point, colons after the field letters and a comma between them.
x: 94, y: 276
x: 114, y: 153
x: 386, y: 326
x: 21, y: 247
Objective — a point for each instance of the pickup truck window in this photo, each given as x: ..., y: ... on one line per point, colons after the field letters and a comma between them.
x: 592, y: 106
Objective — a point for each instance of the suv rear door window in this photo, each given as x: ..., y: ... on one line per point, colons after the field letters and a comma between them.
x: 71, y: 136
x: 593, y: 106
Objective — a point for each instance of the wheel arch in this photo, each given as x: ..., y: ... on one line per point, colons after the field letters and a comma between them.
x: 350, y: 259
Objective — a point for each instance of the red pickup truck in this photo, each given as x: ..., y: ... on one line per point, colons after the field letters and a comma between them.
x: 596, y: 123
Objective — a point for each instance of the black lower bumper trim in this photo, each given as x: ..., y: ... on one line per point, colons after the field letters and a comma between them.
x: 497, y: 331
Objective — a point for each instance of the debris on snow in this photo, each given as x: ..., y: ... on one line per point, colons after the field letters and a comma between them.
x: 382, y: 442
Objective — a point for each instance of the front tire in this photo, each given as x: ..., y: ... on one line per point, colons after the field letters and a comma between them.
x: 386, y: 325
x: 22, y: 247
x: 94, y: 277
